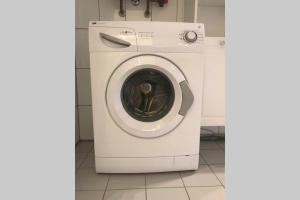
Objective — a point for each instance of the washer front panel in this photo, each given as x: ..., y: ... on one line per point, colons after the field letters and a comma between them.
x: 119, y: 114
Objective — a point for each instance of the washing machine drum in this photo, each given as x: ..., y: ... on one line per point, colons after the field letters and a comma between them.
x: 148, y: 96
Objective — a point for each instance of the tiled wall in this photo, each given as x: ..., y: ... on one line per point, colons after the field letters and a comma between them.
x: 212, y: 14
x: 89, y: 10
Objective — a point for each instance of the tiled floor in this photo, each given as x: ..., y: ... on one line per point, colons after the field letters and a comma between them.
x: 206, y: 183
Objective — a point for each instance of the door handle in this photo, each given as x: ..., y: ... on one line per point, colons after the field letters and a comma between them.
x: 118, y: 42
x: 187, y: 98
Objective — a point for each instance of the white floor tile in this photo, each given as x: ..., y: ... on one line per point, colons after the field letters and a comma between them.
x: 137, y: 194
x: 209, y: 145
x: 167, y: 193
x: 79, y: 158
x: 88, y: 179
x: 89, y: 195
x: 129, y: 181
x: 89, y: 162
x: 206, y: 193
x: 213, y: 156
x: 84, y: 147
x: 219, y: 170
x: 158, y: 180
x: 201, y: 177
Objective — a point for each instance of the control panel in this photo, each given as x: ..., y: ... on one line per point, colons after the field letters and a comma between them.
x: 147, y: 36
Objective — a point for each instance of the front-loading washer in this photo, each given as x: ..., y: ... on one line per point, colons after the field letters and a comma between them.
x: 147, y: 82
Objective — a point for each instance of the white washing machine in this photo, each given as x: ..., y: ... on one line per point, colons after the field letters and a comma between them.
x: 147, y: 82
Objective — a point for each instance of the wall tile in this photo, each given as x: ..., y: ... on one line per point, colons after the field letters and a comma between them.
x: 167, y: 13
x: 136, y: 13
x: 109, y: 10
x: 86, y: 122
x: 213, y: 18
x: 85, y: 11
x: 189, y: 10
x: 83, y: 86
x: 82, y: 48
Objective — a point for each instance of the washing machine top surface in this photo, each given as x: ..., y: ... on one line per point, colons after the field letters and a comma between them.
x: 130, y: 36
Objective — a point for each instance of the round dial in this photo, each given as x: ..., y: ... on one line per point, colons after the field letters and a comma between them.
x: 190, y: 36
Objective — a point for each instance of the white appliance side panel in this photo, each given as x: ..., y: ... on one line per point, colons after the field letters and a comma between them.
x: 214, y: 83
x: 111, y: 141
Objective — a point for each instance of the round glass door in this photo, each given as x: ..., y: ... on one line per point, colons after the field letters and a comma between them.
x: 147, y: 95
x: 144, y: 96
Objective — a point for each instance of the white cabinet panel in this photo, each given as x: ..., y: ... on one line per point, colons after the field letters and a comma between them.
x: 168, y: 13
x: 85, y: 11
x: 109, y: 10
x: 214, y: 83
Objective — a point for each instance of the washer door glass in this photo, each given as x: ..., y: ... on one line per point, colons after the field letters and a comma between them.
x: 147, y: 95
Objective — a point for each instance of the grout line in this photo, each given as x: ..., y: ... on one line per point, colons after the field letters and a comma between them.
x: 165, y: 187
x: 151, y: 11
x: 205, y: 186
x: 214, y: 173
x: 87, y: 154
x: 83, y: 105
x: 202, y: 159
x: 145, y: 187
x: 106, y: 187
x: 184, y: 186
x: 98, y: 1
x: 124, y: 4
x: 82, y: 68
x: 81, y: 28
x: 223, y: 149
x: 208, y: 186
x: 76, y: 106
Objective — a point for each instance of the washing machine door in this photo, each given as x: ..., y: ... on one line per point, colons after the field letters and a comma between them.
x: 148, y: 96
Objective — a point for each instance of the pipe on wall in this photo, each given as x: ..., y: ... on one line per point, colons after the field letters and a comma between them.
x: 147, y: 11
x: 122, y: 9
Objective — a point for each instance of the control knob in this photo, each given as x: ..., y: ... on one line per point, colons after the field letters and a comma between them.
x: 190, y: 36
